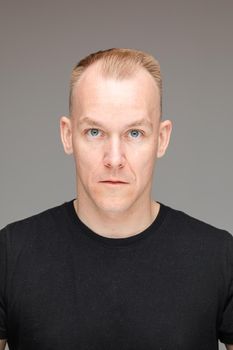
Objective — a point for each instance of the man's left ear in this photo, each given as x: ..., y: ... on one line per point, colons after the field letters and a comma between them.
x: 165, y: 130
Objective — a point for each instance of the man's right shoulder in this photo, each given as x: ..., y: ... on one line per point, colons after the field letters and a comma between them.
x: 31, y: 224
x: 31, y: 233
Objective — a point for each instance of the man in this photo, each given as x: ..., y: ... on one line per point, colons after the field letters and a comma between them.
x: 114, y: 269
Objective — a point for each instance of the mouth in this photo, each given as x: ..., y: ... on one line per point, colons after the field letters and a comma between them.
x: 114, y: 182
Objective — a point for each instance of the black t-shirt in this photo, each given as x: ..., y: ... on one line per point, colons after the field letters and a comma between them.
x: 65, y: 287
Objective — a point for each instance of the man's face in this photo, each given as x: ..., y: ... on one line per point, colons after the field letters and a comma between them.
x: 114, y: 134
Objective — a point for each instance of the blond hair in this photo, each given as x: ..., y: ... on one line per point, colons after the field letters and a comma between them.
x: 118, y: 63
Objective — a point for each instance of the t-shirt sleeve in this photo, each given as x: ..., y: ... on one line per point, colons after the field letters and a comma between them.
x: 225, y: 331
x: 3, y: 325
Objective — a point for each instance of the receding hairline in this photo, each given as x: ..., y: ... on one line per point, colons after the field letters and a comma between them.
x: 119, y: 64
x: 98, y: 70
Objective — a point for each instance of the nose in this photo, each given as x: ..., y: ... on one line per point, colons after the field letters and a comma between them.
x: 113, y: 154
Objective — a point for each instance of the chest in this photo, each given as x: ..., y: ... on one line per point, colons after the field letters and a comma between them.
x: 123, y: 300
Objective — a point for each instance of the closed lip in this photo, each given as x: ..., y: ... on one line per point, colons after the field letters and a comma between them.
x: 114, y: 181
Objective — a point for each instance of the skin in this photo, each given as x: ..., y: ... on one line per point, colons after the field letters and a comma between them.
x: 2, y: 344
x: 115, y: 150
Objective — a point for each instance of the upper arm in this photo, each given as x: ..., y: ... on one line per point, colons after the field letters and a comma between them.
x: 2, y: 344
x: 229, y: 346
x: 3, y: 317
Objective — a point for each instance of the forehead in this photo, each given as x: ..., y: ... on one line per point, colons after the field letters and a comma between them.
x: 94, y: 91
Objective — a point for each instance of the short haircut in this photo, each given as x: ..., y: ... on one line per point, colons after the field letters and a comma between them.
x: 118, y: 63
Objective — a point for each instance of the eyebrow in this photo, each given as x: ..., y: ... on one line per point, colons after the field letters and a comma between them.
x: 143, y: 121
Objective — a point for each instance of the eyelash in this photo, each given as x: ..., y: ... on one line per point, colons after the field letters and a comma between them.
x: 142, y: 133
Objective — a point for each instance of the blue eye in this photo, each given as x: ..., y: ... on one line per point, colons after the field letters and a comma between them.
x: 94, y: 132
x: 134, y: 133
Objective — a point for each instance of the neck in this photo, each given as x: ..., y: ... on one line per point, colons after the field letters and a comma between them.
x: 118, y: 225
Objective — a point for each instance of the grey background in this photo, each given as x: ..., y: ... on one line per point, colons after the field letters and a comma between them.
x: 40, y: 42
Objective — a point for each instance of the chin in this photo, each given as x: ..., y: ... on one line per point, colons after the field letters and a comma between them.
x: 113, y: 205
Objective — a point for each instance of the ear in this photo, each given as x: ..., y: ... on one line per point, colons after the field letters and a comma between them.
x: 165, y: 129
x: 66, y: 134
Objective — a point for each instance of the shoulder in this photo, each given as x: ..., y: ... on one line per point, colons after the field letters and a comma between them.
x: 188, y: 225
x: 17, y: 232
x: 32, y: 235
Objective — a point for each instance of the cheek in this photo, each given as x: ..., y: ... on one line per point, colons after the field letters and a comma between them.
x: 146, y: 167
x: 143, y: 159
x: 83, y: 147
x: 87, y: 158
